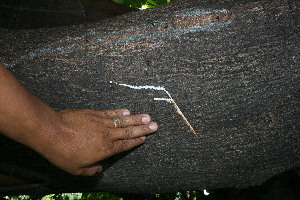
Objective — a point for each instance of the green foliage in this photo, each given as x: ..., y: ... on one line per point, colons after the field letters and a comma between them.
x: 142, y: 3
x: 69, y: 196
x: 188, y: 195
x: 100, y: 195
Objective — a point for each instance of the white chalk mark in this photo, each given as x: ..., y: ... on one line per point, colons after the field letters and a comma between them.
x: 163, y: 99
x: 169, y: 100
x: 144, y: 87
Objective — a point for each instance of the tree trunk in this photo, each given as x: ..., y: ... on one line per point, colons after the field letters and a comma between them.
x: 231, y: 67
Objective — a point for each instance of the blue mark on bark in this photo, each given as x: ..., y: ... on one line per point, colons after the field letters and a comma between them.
x: 171, y: 25
x: 294, y: 58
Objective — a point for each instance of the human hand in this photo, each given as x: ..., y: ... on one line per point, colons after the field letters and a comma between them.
x: 85, y: 137
x: 73, y: 140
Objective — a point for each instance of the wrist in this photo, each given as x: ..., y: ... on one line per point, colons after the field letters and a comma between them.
x: 42, y: 130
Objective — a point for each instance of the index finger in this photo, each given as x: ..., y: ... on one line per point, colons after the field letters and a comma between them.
x: 131, y: 120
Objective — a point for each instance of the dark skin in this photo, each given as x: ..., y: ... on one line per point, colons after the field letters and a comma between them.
x: 73, y: 140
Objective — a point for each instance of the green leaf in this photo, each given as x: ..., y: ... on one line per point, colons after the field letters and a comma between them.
x: 151, y: 2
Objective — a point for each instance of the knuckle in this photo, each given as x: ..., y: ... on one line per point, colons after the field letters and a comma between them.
x: 117, y: 112
x: 129, y: 132
x: 139, y: 141
x: 125, y: 145
x: 146, y: 129
x: 124, y: 122
x: 110, y: 113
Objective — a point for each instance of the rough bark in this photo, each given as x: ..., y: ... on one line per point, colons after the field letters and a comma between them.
x: 232, y: 67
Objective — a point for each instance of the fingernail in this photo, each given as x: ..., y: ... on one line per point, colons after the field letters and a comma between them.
x: 126, y: 113
x: 145, y: 119
x: 143, y: 138
x: 153, y: 126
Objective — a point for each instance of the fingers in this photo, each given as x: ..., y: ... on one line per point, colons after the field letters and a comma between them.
x: 131, y: 120
x: 112, y: 113
x: 120, y: 118
x: 132, y: 132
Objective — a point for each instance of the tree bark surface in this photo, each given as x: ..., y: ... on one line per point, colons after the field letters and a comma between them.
x: 232, y: 67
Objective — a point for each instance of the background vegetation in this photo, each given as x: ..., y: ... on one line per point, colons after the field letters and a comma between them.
x: 142, y: 4
x: 188, y: 195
